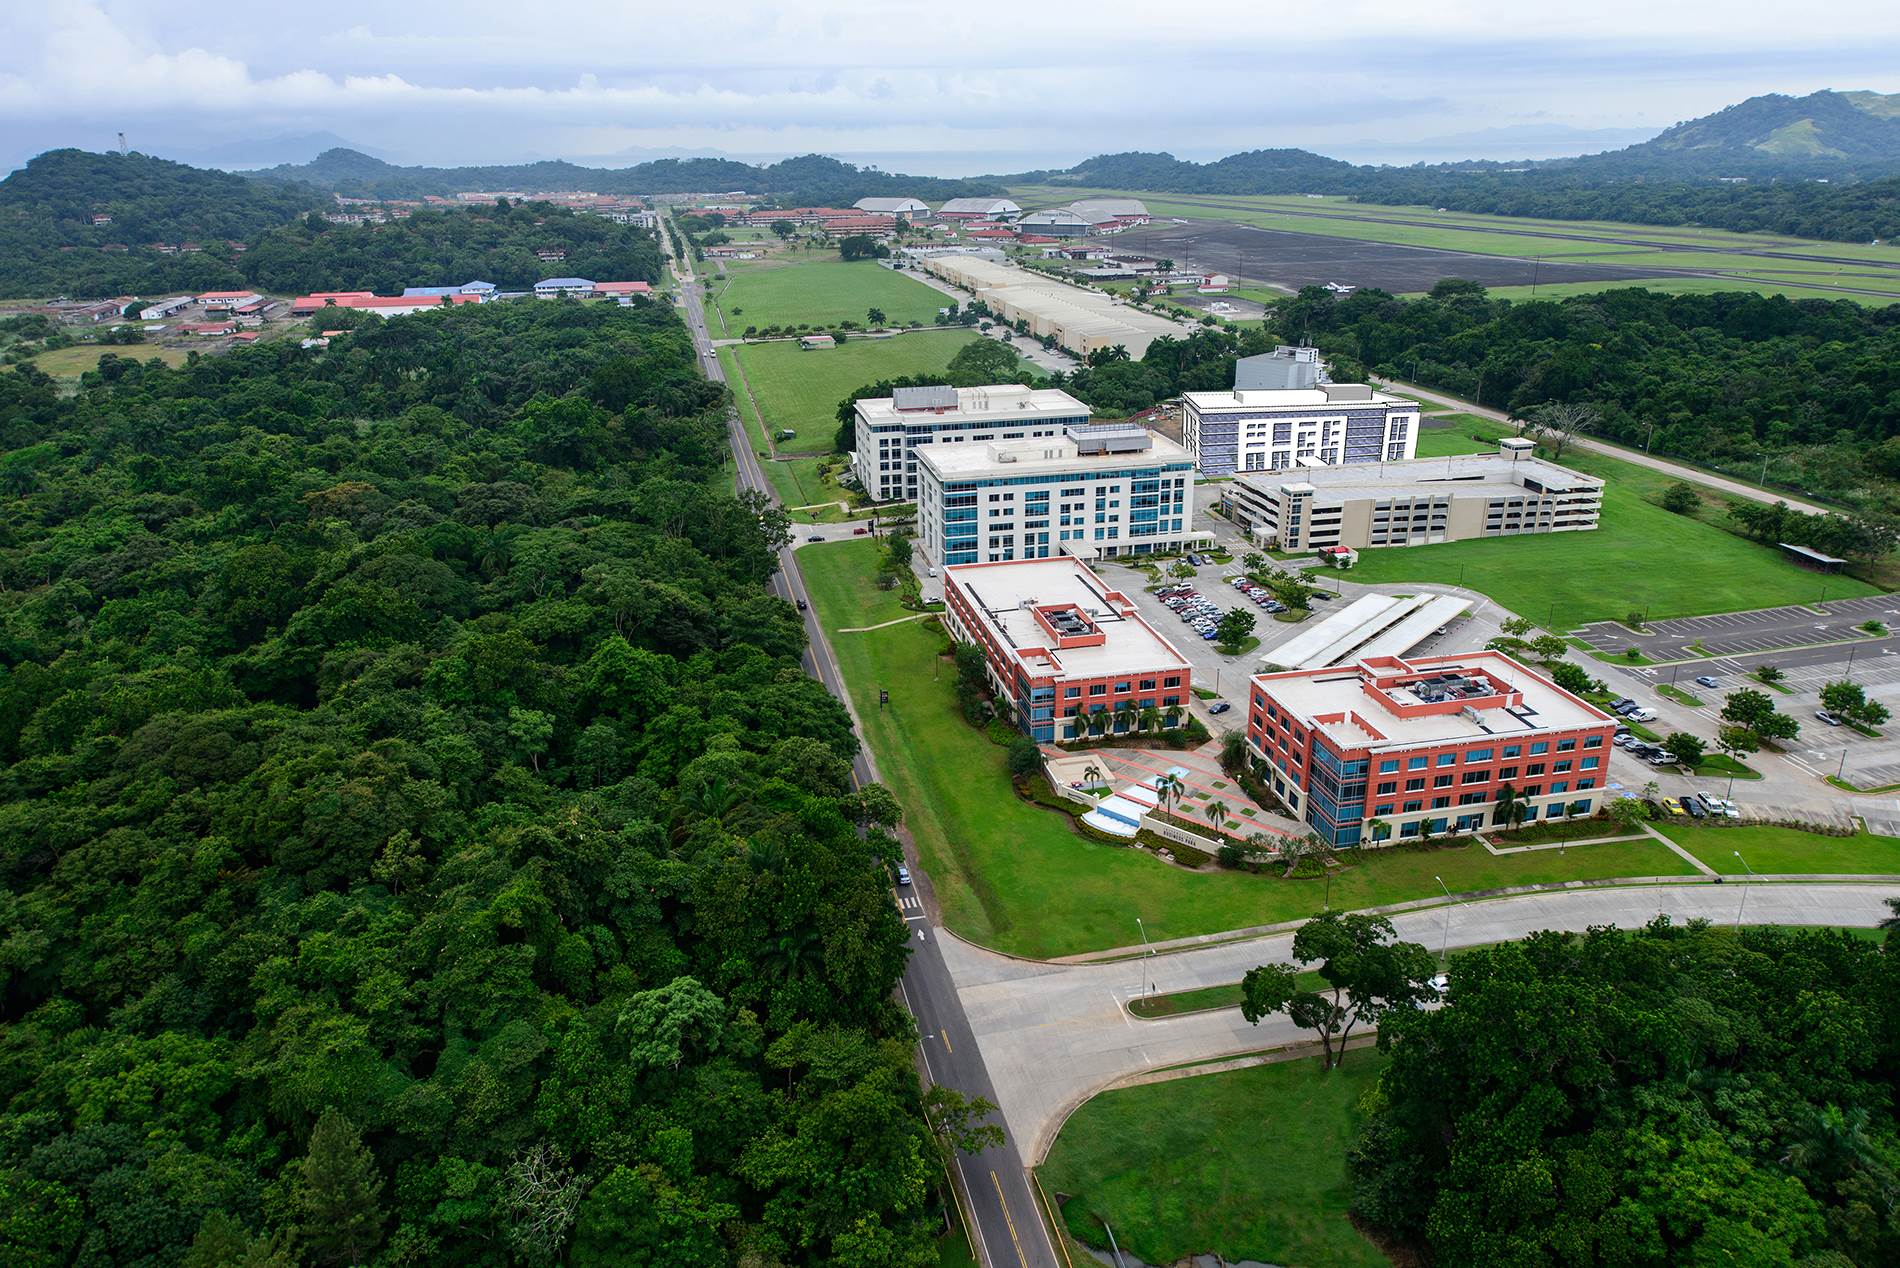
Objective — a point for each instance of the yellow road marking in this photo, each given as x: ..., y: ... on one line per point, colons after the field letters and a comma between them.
x: 1007, y: 1219
x: 945, y: 1036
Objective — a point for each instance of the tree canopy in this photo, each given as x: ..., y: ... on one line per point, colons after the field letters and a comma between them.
x: 417, y: 834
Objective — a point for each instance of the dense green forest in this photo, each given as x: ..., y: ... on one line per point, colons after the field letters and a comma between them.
x: 447, y: 248
x: 1730, y: 379
x: 419, y: 843
x: 1681, y: 1095
x: 810, y: 179
x: 48, y: 242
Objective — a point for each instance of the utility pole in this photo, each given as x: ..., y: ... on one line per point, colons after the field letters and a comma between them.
x: 1743, y: 910
x: 1147, y: 967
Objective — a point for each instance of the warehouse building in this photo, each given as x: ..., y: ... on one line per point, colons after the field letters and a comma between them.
x: 1105, y: 215
x: 890, y: 429
x: 1061, y: 647
x: 909, y: 208
x: 1056, y: 222
x: 979, y: 209
x: 1093, y: 491
x: 1326, y: 425
x: 1424, y: 745
x: 1415, y: 503
x: 165, y: 308
x: 1082, y: 321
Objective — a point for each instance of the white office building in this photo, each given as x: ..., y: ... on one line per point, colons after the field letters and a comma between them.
x: 892, y: 428
x: 1327, y: 425
x: 1093, y: 491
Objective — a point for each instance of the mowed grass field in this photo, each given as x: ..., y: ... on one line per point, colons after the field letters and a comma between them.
x: 817, y: 289
x: 70, y: 363
x: 1772, y: 851
x: 801, y: 390
x: 1642, y: 558
x: 796, y: 482
x: 1017, y: 877
x: 1248, y: 1164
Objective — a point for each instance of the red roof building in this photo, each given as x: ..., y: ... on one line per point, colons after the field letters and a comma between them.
x: 385, y: 305
x: 611, y: 289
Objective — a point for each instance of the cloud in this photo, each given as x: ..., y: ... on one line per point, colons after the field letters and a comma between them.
x: 487, y: 78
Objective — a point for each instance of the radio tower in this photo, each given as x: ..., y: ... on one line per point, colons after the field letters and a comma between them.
x: 122, y: 145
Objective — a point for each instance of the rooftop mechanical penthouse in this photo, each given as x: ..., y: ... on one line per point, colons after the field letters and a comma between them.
x: 1425, y: 744
x: 1067, y: 655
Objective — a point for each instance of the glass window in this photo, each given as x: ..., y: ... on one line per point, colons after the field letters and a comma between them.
x: 1447, y: 759
x: 1513, y: 750
x: 1564, y: 746
x: 1387, y: 767
x: 1590, y: 763
x: 1416, y: 763
x: 1477, y: 755
x: 1542, y: 746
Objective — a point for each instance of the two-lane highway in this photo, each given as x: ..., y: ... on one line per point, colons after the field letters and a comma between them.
x: 1006, y: 1223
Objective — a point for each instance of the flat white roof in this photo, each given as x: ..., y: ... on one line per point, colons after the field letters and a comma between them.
x: 1003, y: 595
x: 1301, y: 399
x: 1003, y: 400
x: 1369, y: 724
x: 1460, y: 475
x: 1049, y: 453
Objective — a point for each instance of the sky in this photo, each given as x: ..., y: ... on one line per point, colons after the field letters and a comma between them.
x: 931, y: 88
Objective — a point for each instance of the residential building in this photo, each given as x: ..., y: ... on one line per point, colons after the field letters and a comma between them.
x: 1065, y: 652
x: 555, y: 287
x: 1330, y: 424
x: 1429, y: 744
x: 978, y: 209
x: 1280, y: 370
x: 1079, y: 319
x: 1095, y: 490
x: 890, y: 429
x: 1416, y: 503
x: 909, y: 208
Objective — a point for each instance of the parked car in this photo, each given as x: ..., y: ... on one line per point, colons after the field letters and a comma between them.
x: 1672, y: 808
x: 1725, y: 806
x: 1208, y: 635
x: 1694, y: 808
x: 1621, y: 739
x: 1274, y: 605
x: 1707, y: 802
x: 1663, y: 758
x: 1653, y: 808
x: 1640, y: 714
x: 1621, y: 703
x: 1827, y: 717
x: 816, y: 537
x: 931, y: 571
x: 903, y: 874
x: 1708, y: 680
x: 1219, y: 706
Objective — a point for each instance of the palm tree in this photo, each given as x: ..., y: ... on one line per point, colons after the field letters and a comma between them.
x: 1168, y: 789
x: 1379, y: 829
x: 1077, y: 726
x: 1216, y: 812
x: 1150, y: 719
x: 1091, y: 774
x: 1830, y: 1143
x: 1173, y: 716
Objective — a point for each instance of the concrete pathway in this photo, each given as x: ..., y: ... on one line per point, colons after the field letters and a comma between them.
x: 1054, y: 1034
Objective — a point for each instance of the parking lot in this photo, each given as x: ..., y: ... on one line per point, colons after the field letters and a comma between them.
x: 1224, y: 675
x: 1741, y: 633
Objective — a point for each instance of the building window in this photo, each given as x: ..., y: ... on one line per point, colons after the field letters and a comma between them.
x: 1415, y: 785
x: 1389, y: 787
x: 1542, y: 746
x: 1447, y: 759
x: 1441, y: 781
x: 1416, y: 763
x: 1590, y: 763
x: 1387, y: 767
x: 1098, y: 689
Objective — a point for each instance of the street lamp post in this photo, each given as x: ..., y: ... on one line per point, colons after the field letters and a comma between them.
x: 1444, y: 946
x: 1147, y: 968
x: 1742, y: 911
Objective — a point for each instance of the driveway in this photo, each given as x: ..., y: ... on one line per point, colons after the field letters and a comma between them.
x: 1054, y: 1034
x: 1205, y: 782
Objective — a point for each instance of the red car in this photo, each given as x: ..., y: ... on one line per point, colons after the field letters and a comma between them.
x: 859, y: 532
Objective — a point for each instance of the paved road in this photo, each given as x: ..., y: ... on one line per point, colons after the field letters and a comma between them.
x: 1691, y: 474
x: 1055, y: 1034
x: 1008, y: 1227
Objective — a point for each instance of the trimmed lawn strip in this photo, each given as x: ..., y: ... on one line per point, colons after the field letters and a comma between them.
x: 1018, y: 878
x: 70, y: 363
x: 1187, y: 1166
x: 1721, y: 764
x: 1632, y: 562
x: 801, y: 390
x: 1678, y: 695
x: 796, y: 482
x: 820, y: 290
x: 1786, y: 851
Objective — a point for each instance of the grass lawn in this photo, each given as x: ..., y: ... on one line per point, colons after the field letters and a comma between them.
x: 1634, y: 561
x: 801, y: 390
x: 1444, y: 442
x: 796, y: 482
x: 70, y: 363
x: 1721, y: 764
x: 1250, y: 1164
x: 1678, y: 695
x: 819, y: 290
x: 1771, y: 851
x: 1018, y: 878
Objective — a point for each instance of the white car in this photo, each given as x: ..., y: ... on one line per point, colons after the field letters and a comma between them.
x: 1641, y: 715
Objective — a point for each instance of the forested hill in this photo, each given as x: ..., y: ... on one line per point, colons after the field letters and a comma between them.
x: 811, y: 179
x: 419, y: 843
x: 447, y: 248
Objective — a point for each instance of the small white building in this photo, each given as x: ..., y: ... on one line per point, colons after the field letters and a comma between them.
x: 909, y: 208
x: 555, y: 287
x: 979, y: 209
